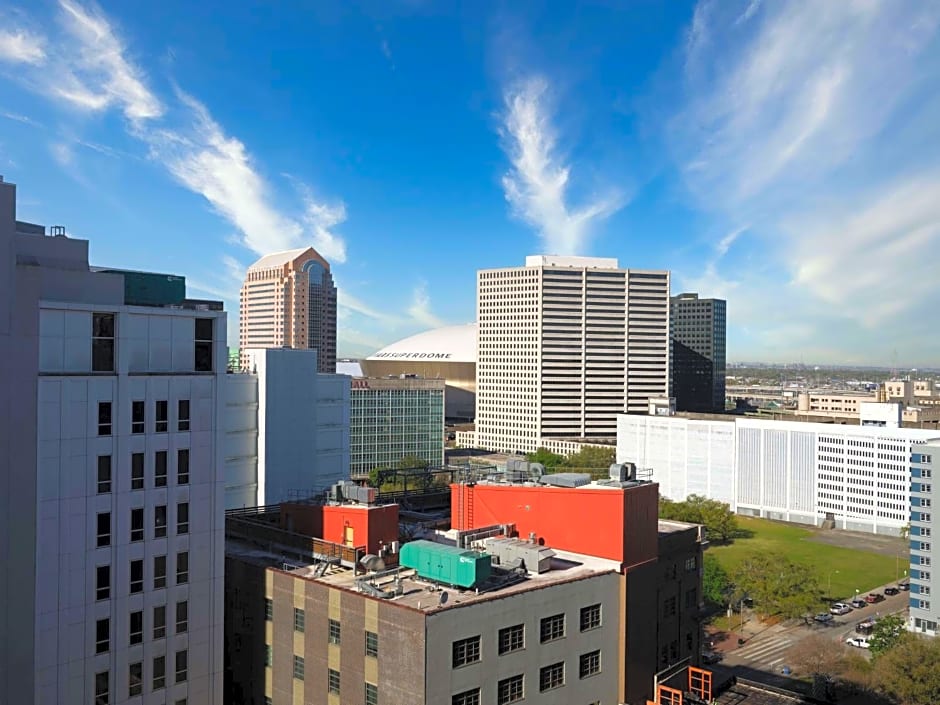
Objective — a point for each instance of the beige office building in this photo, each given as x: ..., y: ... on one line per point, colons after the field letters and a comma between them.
x: 564, y: 345
x: 289, y: 300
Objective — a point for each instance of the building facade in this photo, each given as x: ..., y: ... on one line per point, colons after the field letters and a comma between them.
x: 288, y: 299
x: 858, y: 477
x: 698, y: 328
x: 564, y: 345
x: 391, y: 419
x: 112, y: 467
x: 925, y: 590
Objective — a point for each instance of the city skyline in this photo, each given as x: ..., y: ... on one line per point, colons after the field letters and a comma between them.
x: 792, y: 177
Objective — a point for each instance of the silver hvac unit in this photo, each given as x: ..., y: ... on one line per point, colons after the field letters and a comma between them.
x: 534, y: 558
x: 623, y: 472
x: 566, y: 479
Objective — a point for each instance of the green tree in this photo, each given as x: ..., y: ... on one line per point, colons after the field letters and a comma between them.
x: 716, y: 583
x: 886, y: 634
x: 777, y: 585
x: 545, y: 457
x: 412, y: 461
x: 908, y: 672
x: 720, y: 522
x: 592, y: 457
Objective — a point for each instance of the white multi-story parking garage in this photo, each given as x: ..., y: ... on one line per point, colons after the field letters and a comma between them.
x: 857, y: 476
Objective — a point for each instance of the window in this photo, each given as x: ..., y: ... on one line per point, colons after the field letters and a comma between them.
x: 160, y: 425
x: 203, y: 349
x: 669, y: 607
x: 182, y: 659
x: 182, y: 518
x: 510, y: 690
x: 690, y: 563
x: 182, y: 466
x: 137, y: 524
x: 466, y: 651
x: 159, y: 469
x: 334, y: 631
x: 104, y: 418
x: 102, y: 636
x: 159, y: 572
x: 268, y: 656
x: 159, y: 672
x: 182, y: 415
x: 103, y: 582
x: 299, y: 620
x: 182, y: 617
x: 102, y: 689
x: 552, y: 676
x: 468, y: 697
x: 136, y: 628
x: 135, y: 679
x: 104, y: 529
x: 137, y: 471
x: 159, y: 521
x: 298, y: 667
x: 159, y: 621
x: 104, y: 474
x: 333, y: 681
x: 590, y: 664
x: 691, y: 598
x: 182, y: 568
x: 137, y: 576
x: 372, y: 694
x: 372, y: 644
x: 552, y: 628
x: 268, y: 609
x: 137, y: 416
x: 590, y: 617
x: 102, y: 342
x: 511, y: 639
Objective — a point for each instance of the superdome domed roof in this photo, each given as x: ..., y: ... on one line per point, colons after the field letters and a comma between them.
x: 448, y: 344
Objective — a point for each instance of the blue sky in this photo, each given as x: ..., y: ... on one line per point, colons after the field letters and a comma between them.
x: 782, y: 155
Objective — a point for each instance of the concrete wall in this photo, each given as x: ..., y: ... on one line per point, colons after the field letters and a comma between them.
x: 488, y: 617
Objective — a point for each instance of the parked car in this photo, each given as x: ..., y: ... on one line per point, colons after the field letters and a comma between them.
x: 873, y: 597
x: 858, y: 603
x: 859, y: 641
x: 892, y: 590
x: 709, y: 657
x: 840, y: 608
x: 823, y: 618
x: 904, y: 586
x: 866, y: 626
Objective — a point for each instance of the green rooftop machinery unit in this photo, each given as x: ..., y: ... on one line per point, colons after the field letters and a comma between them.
x: 446, y: 564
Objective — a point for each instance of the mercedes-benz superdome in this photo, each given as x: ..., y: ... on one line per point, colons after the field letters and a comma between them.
x: 448, y: 353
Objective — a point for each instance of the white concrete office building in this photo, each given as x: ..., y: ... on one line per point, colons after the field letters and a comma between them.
x: 564, y: 345
x: 857, y: 476
x: 925, y: 591
x: 110, y: 479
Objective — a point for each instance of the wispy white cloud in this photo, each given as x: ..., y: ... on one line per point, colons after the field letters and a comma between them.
x: 815, y: 125
x: 420, y: 309
x: 19, y: 46
x: 537, y: 184
x: 62, y: 153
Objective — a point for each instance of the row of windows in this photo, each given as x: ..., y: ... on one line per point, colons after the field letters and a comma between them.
x: 136, y: 626
x: 135, y: 680
x: 512, y: 689
x: 103, y: 343
x: 136, y: 580
x: 138, y: 416
x: 104, y: 473
x: 103, y: 527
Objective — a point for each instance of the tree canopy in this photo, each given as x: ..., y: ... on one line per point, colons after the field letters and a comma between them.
x: 886, y: 634
x: 588, y: 458
x: 716, y: 583
x: 908, y: 671
x: 545, y: 457
x: 777, y: 585
x: 720, y: 522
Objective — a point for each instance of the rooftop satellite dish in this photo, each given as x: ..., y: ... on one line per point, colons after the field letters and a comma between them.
x: 443, y: 598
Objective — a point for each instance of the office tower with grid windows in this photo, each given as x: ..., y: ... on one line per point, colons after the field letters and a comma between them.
x: 924, y: 590
x: 111, y: 511
x: 288, y: 300
x: 564, y: 345
x: 698, y: 352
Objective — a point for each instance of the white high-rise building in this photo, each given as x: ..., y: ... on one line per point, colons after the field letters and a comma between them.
x: 111, y: 481
x: 564, y: 345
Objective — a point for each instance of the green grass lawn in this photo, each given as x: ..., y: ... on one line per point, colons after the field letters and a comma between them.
x: 849, y: 569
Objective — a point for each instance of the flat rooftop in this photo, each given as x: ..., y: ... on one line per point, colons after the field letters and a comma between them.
x: 425, y: 595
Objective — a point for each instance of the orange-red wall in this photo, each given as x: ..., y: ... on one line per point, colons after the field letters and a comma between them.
x: 618, y: 524
x: 373, y: 527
